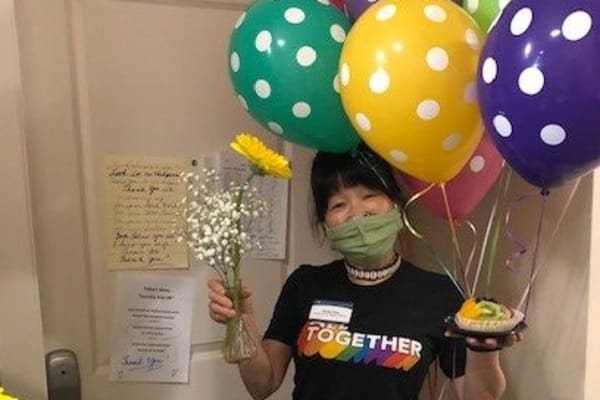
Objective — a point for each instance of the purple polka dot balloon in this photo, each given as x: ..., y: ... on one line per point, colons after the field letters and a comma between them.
x: 539, y: 88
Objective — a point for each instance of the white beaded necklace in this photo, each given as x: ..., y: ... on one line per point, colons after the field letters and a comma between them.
x: 373, y: 274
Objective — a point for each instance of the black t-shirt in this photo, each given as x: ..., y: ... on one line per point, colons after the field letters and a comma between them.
x: 353, y: 342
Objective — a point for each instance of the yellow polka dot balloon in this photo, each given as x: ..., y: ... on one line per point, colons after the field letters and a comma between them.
x: 408, y: 84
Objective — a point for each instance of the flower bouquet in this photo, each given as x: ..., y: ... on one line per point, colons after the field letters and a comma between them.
x: 218, y: 217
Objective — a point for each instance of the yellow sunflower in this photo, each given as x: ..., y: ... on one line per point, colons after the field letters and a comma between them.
x: 265, y: 160
x: 5, y: 396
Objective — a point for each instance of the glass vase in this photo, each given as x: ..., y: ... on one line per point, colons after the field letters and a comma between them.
x: 238, y: 344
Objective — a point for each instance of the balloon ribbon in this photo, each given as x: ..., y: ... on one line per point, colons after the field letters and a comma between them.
x: 427, y: 245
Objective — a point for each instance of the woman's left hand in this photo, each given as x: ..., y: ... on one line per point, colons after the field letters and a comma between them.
x: 479, y: 344
x: 492, y: 344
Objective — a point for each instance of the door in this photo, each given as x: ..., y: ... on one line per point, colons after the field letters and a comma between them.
x: 140, y: 78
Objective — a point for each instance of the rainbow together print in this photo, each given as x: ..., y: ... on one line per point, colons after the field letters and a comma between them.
x: 335, y: 341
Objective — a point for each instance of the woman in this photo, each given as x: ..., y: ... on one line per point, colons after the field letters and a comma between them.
x: 369, y: 325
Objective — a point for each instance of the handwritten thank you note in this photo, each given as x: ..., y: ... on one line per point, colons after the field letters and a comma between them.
x: 152, y: 328
x: 143, y: 206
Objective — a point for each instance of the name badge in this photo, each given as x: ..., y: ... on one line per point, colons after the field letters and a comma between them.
x: 331, y: 311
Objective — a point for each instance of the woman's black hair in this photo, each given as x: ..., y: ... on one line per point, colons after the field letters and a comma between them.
x: 333, y: 171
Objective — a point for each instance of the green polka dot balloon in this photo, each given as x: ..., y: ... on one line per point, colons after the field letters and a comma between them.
x: 283, y: 65
x: 485, y: 12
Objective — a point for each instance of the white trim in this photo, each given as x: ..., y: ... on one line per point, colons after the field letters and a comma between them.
x: 22, y: 368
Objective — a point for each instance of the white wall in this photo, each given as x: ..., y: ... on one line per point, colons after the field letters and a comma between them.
x: 592, y: 383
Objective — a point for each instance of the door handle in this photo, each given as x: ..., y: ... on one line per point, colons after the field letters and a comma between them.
x: 62, y: 371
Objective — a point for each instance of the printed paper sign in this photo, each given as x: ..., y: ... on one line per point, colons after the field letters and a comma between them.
x: 152, y: 327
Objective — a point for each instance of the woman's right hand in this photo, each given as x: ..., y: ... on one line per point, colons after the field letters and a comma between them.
x: 220, y: 306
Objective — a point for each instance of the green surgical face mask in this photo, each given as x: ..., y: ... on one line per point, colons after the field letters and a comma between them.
x: 366, y: 239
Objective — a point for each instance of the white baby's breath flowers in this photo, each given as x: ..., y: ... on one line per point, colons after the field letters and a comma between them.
x: 217, y: 228
x: 218, y: 221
